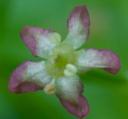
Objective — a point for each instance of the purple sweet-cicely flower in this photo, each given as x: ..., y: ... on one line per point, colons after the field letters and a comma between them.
x: 62, y: 60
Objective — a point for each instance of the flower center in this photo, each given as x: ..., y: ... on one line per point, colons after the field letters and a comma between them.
x: 61, y: 62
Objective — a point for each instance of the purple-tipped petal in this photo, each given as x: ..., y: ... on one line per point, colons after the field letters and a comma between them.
x: 79, y: 14
x: 105, y: 59
x: 28, y: 77
x: 40, y: 42
x: 78, y: 25
x: 69, y: 92
x: 113, y: 60
x: 80, y: 108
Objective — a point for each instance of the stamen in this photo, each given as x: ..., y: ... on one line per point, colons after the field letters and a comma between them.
x: 70, y: 70
x: 50, y: 88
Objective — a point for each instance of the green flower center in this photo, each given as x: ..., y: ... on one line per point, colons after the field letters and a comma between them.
x: 59, y: 59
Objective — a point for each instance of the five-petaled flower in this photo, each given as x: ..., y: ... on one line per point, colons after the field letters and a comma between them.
x: 62, y: 60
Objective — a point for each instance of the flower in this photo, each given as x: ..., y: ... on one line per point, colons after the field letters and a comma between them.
x: 62, y: 60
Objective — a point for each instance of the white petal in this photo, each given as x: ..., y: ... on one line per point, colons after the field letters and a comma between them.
x: 36, y: 72
x: 29, y: 77
x: 78, y: 25
x: 93, y: 58
x: 68, y: 87
x: 41, y: 42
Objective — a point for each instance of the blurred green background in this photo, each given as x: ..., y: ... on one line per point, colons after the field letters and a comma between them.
x: 107, y: 94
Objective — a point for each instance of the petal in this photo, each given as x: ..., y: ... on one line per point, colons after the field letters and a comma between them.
x: 93, y: 58
x: 29, y: 77
x: 40, y: 42
x: 69, y: 91
x: 68, y: 87
x: 78, y: 25
x: 80, y: 108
